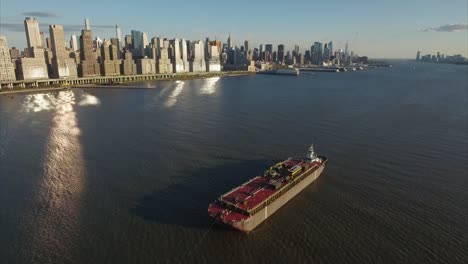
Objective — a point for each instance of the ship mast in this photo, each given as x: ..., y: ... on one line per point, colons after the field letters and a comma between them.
x: 311, y: 155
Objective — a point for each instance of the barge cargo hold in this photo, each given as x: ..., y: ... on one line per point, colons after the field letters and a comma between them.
x: 248, y: 205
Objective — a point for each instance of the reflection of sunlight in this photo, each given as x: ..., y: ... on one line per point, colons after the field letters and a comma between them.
x: 172, y: 100
x: 62, y: 180
x: 149, y: 85
x: 48, y: 101
x: 39, y: 102
x: 89, y: 99
x: 209, y: 87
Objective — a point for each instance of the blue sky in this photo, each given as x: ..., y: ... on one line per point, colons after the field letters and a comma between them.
x: 379, y: 29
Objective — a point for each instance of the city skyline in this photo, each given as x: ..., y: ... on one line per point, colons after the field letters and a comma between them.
x: 428, y: 26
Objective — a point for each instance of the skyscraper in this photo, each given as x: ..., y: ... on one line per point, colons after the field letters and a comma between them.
x: 128, y: 43
x: 317, y: 53
x: 87, y: 25
x: 7, y: 69
x: 140, y: 41
x: 260, y: 52
x: 144, y: 42
x: 89, y: 65
x: 178, y: 63
x: 43, y: 43
x: 246, y: 46
x: 229, y: 41
x: 118, y: 34
x: 183, y: 51
x: 74, y: 43
x: 110, y: 64
x: 33, y: 35
x: 198, y: 62
x: 330, y: 48
x: 418, y: 55
x: 163, y: 64
x: 62, y: 65
x: 280, y: 54
x: 128, y: 66
x: 34, y: 66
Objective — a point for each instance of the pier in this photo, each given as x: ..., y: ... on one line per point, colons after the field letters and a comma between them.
x: 109, y: 80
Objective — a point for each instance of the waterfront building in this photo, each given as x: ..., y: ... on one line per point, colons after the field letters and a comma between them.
x: 215, y: 43
x: 110, y: 64
x: 214, y: 63
x: 330, y: 48
x: 34, y: 65
x: 128, y: 66
x: 269, y: 48
x: 280, y: 54
x: 118, y: 34
x: 197, y: 63
x: 48, y: 56
x: 307, y: 57
x: 48, y: 43
x: 184, y: 46
x: 74, y: 43
x: 62, y: 65
x: 163, y: 64
x: 166, y: 43
x: 32, y: 68
x: 75, y: 55
x: 146, y: 66
x: 145, y: 42
x: 43, y: 40
x: 179, y: 48
x: 300, y: 59
x: 260, y: 52
x: 89, y: 65
x: 251, y: 67
x: 229, y: 42
x: 116, y: 43
x: 7, y: 68
x: 418, y: 55
x: 246, y: 46
x: 14, y: 53
x: 317, y: 53
x: 139, y: 41
x: 33, y: 35
x: 326, y: 52
x: 128, y: 45
x: 97, y: 43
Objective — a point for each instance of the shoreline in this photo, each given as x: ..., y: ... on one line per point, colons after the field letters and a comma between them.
x: 34, y: 90
x: 122, y: 85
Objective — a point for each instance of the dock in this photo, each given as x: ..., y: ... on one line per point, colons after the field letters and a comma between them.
x: 109, y: 80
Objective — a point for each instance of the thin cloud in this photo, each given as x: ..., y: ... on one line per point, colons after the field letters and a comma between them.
x: 39, y: 14
x: 447, y: 28
x: 12, y: 26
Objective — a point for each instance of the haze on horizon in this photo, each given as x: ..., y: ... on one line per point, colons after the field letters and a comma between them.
x: 390, y: 29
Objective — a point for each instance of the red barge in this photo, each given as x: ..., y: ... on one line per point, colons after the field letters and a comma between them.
x: 248, y: 205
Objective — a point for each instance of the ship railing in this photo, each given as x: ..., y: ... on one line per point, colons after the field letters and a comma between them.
x: 281, y: 191
x: 238, y: 187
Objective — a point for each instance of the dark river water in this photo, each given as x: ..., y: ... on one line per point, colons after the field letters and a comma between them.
x: 126, y: 175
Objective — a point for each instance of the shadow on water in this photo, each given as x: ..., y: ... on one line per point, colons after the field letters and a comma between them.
x: 185, y: 204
